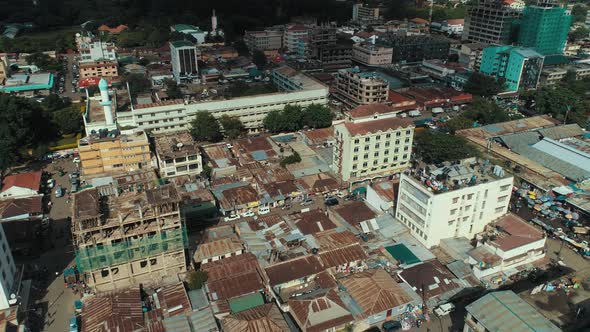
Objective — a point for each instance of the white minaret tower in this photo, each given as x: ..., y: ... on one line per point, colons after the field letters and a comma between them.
x: 105, y: 101
x: 213, y: 23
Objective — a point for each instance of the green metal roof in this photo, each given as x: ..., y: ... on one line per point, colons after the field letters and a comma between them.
x: 181, y: 43
x: 186, y: 27
x: 245, y: 302
x: 506, y: 311
x: 402, y: 254
x: 29, y: 87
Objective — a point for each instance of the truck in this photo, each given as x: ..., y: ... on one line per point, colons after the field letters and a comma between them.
x: 444, y: 309
x: 414, y: 113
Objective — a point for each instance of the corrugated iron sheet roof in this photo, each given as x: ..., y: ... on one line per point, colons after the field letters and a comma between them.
x: 321, y: 312
x: 506, y: 311
x: 264, y: 318
x: 120, y: 312
x: 341, y: 256
x: 293, y: 269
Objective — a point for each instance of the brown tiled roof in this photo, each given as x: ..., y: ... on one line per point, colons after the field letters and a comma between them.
x: 120, y: 312
x: 217, y: 248
x: 355, y: 212
x: 333, y: 239
x: 233, y: 276
x: 341, y: 256
x: 21, y: 206
x: 320, y: 313
x: 313, y: 221
x: 375, y: 291
x: 173, y: 301
x: 456, y: 21
x: 293, y: 269
x: 516, y: 233
x: 319, y: 136
x: 419, y: 20
x: 31, y: 180
x: 398, y: 98
x: 383, y: 125
x: 426, y: 275
x: 370, y: 110
x: 264, y: 318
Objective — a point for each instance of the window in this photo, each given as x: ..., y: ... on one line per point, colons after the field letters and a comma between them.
x: 470, y: 196
x: 502, y: 198
x: 354, y: 166
x: 455, y: 200
x: 143, y: 264
x: 367, y: 139
x: 356, y: 149
x: 453, y: 211
x: 387, y: 144
x: 386, y: 160
x: 386, y: 152
x: 366, y: 156
x: 378, y: 137
x: 365, y: 164
x: 388, y: 136
x: 356, y: 141
x: 366, y: 148
x: 375, y: 162
x: 376, y: 154
x: 451, y: 222
x: 408, y: 132
x: 504, y: 187
x: 355, y: 158
x: 103, y: 273
x: 468, y: 207
x: 377, y: 146
x: 500, y: 209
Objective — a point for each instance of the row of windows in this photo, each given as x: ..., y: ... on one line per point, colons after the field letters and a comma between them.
x: 387, y: 136
x: 386, y: 152
x: 376, y: 162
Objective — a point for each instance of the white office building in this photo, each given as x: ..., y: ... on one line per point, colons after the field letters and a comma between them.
x: 372, y: 148
x: 9, y: 283
x: 296, y: 89
x: 452, y: 201
x: 97, y: 50
x: 177, y: 154
x: 183, y: 56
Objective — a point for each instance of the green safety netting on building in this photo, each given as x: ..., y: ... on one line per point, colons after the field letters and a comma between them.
x: 101, y: 256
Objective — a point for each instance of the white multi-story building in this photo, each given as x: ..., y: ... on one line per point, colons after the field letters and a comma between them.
x: 178, y: 154
x: 452, y: 201
x: 370, y: 149
x: 355, y: 88
x: 297, y: 89
x: 292, y: 36
x: 97, y: 51
x: 513, y: 243
x: 183, y: 57
x: 372, y: 55
x: 8, y: 274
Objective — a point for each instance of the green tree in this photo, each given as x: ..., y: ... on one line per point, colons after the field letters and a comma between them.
x: 241, y: 47
x: 272, y: 121
x: 579, y: 12
x: 68, y: 120
x: 23, y: 124
x: 172, y: 89
x: 54, y: 102
x: 259, y: 59
x: 436, y: 147
x: 317, y: 116
x: 204, y: 127
x: 485, y: 111
x: 157, y: 37
x: 292, y: 159
x: 138, y: 83
x: 196, y: 279
x: 482, y: 85
x: 289, y: 119
x: 43, y: 61
x: 579, y: 33
x: 458, y: 123
x: 232, y: 127
x: 144, y: 62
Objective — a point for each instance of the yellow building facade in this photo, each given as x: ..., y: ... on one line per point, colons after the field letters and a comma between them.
x: 101, y: 156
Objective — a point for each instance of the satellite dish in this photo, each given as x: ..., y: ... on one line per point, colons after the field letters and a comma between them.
x: 13, y: 296
x: 179, y: 145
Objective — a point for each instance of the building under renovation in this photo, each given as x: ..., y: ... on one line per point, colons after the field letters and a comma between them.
x: 127, y: 239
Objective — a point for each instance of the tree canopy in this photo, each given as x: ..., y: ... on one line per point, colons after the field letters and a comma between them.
x: 232, y: 127
x: 579, y: 33
x: 138, y: 83
x: 172, y: 89
x: 482, y: 85
x: 196, y: 279
x: 436, y: 147
x: 68, y: 120
x: 259, y: 59
x: 204, y: 127
x: 23, y: 124
x: 579, y: 12
x: 294, y: 117
x: 43, y: 61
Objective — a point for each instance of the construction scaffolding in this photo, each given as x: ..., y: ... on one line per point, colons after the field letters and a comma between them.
x: 102, y: 256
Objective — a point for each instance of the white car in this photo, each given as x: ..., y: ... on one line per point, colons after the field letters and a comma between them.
x: 232, y: 217
x: 50, y: 183
x: 76, y: 160
x: 248, y: 214
x: 263, y: 210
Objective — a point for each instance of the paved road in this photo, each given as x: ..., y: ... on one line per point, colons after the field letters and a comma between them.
x: 74, y: 96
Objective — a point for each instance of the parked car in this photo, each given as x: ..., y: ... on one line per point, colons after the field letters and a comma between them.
x: 74, y: 188
x: 444, y: 309
x: 59, y: 192
x: 392, y: 325
x: 50, y: 183
x: 76, y: 160
x: 248, y: 214
x: 232, y: 217
x: 263, y: 210
x: 331, y: 201
x: 307, y: 201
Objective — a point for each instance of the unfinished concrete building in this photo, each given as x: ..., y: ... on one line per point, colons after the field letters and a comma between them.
x: 125, y: 239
